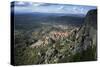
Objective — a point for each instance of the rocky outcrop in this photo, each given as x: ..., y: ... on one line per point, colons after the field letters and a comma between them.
x: 86, y: 37
x: 80, y: 45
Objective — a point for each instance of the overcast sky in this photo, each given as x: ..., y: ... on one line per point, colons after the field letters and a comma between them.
x: 29, y: 7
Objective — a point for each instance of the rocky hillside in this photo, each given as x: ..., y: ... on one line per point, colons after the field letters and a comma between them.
x: 86, y: 38
x: 81, y: 45
x: 78, y: 44
x: 88, y: 32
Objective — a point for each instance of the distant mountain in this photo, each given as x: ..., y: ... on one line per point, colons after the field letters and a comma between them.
x: 49, y: 18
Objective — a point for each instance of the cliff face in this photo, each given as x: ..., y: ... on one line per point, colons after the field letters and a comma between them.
x: 91, y: 18
x: 86, y: 37
x: 88, y: 32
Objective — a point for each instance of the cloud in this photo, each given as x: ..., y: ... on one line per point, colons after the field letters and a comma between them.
x: 78, y: 9
x: 37, y: 4
x: 61, y: 7
x: 21, y: 6
x: 20, y: 3
x: 81, y: 10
